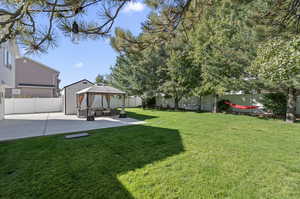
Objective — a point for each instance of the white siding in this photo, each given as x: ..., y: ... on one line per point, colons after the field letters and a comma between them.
x: 2, y: 90
x: 8, y: 50
x: 7, y: 75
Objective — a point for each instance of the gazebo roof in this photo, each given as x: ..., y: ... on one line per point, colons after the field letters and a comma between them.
x: 101, y: 90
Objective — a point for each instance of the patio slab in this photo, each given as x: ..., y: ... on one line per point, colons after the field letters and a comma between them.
x: 32, y: 125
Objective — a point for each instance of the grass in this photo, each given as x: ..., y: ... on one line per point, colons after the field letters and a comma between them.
x: 175, y: 155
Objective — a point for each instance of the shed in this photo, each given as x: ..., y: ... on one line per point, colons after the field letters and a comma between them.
x: 69, y: 95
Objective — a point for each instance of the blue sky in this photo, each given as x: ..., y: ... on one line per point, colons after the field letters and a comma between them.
x: 90, y: 57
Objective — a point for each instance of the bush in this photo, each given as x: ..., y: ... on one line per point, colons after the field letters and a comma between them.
x: 275, y: 102
x: 222, y: 107
x: 149, y: 102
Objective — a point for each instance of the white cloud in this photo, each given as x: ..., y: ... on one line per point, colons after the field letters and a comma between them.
x: 134, y: 7
x: 79, y: 65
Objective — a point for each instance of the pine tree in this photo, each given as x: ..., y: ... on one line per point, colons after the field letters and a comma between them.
x: 223, y: 48
x: 20, y: 19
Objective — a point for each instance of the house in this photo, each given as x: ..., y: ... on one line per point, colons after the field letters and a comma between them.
x: 34, y: 80
x: 8, y: 53
x: 69, y: 95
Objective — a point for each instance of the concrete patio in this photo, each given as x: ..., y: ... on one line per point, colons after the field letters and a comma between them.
x: 32, y: 125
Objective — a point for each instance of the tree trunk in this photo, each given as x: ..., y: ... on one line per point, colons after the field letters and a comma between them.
x: 215, y: 105
x: 143, y: 102
x: 176, y: 103
x: 291, y: 106
x: 200, y: 104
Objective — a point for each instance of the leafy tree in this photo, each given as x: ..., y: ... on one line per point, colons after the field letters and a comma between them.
x: 181, y: 77
x: 276, y: 102
x: 101, y: 79
x: 278, y: 66
x: 223, y: 48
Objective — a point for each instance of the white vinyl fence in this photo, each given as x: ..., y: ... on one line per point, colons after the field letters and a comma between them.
x: 32, y: 105
x: 205, y: 103
x: 45, y: 105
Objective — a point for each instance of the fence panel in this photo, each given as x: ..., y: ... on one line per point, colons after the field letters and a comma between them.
x: 246, y: 100
x: 32, y: 105
x: 206, y: 102
x: 45, y: 105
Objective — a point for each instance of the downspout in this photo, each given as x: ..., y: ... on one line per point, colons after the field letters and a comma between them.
x: 87, y: 105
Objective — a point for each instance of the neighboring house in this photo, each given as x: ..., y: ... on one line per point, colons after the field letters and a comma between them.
x: 8, y: 53
x: 34, y: 79
x: 69, y: 95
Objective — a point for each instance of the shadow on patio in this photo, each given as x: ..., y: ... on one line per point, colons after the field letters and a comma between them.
x: 52, y: 167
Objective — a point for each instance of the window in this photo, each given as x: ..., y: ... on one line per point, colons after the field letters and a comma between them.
x: 7, y: 58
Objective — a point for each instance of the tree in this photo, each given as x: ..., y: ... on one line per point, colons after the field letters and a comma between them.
x: 180, y: 76
x: 101, y: 79
x: 20, y: 19
x: 223, y: 48
x: 136, y: 73
x: 278, y: 66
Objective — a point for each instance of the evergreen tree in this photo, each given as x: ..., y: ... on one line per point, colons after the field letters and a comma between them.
x: 20, y: 19
x: 223, y: 48
x: 101, y: 79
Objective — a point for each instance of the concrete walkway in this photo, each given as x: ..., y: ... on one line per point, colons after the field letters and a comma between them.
x: 32, y: 125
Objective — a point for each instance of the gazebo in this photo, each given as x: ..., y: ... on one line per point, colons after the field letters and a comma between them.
x: 89, y: 95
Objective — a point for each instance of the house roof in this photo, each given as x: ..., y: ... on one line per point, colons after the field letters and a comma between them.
x: 40, y: 64
x: 78, y: 82
x: 101, y: 90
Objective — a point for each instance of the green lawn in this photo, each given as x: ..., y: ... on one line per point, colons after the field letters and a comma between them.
x: 182, y: 155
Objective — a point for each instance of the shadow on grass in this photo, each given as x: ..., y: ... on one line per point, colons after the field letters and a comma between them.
x: 52, y: 167
x: 139, y: 116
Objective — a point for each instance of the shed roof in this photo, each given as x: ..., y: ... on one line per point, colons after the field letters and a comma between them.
x: 101, y: 90
x: 83, y: 80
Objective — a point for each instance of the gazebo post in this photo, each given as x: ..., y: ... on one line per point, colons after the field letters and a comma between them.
x: 77, y: 104
x: 123, y: 113
x: 87, y: 106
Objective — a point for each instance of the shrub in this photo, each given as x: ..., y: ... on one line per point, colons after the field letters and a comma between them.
x: 275, y: 102
x: 222, y: 107
x: 149, y: 102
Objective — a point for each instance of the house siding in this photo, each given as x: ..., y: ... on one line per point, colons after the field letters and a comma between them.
x: 31, y: 72
x: 2, y: 103
x: 7, y: 72
x: 7, y: 75
x: 37, y: 92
